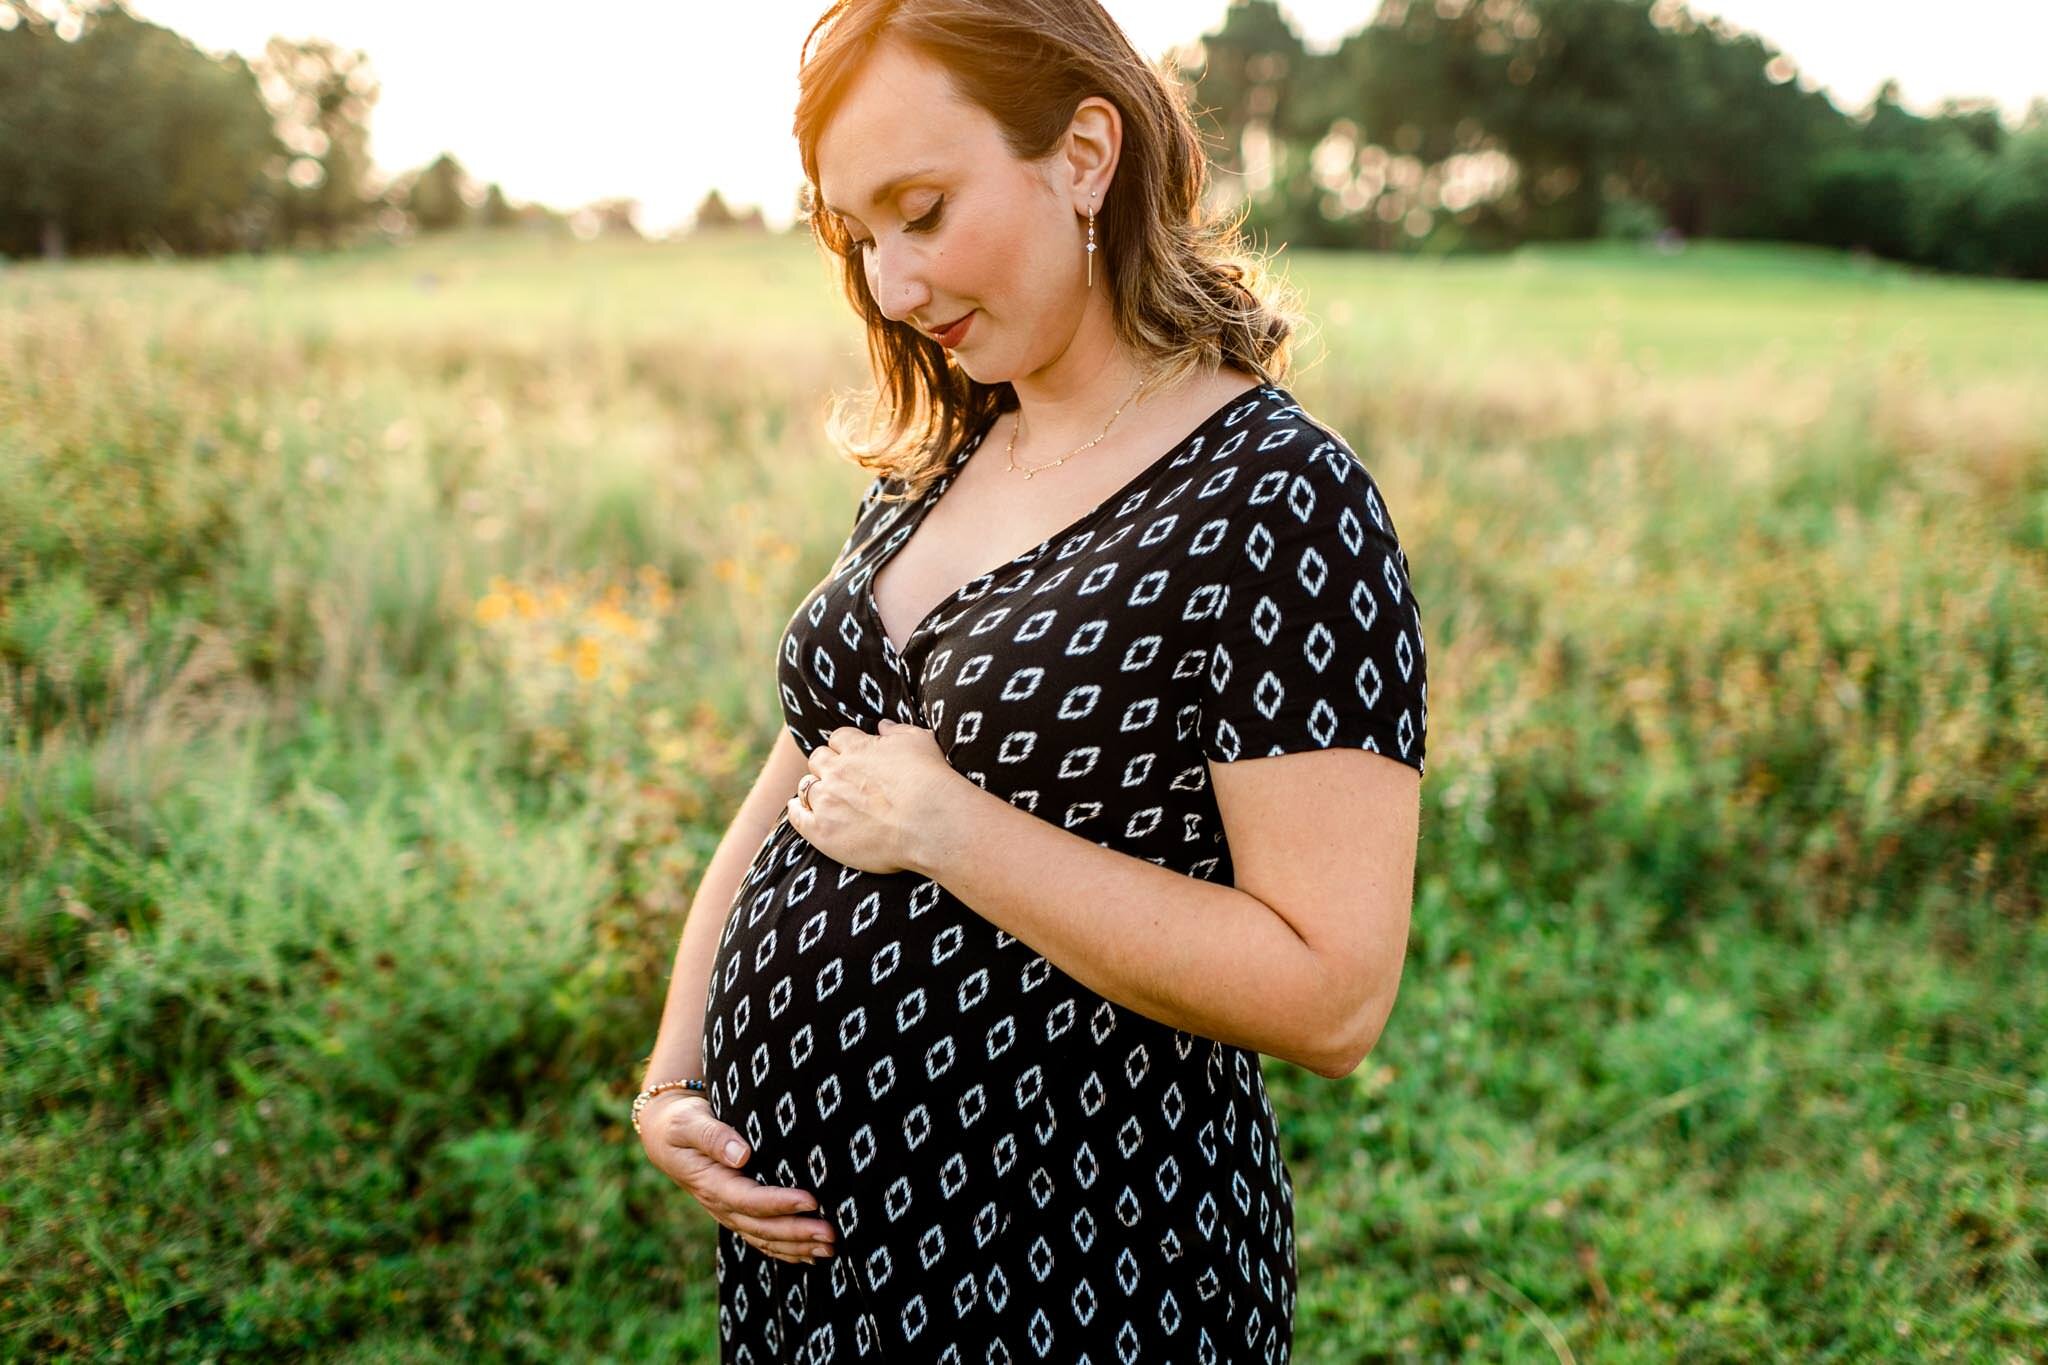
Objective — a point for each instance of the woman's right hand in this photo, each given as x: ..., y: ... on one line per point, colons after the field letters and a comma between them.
x: 686, y: 1141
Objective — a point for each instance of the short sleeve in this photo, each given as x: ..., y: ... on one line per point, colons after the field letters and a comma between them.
x: 808, y: 645
x: 1316, y: 640
x: 868, y: 500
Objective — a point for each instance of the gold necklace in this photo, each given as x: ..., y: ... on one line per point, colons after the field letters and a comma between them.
x: 1010, y: 454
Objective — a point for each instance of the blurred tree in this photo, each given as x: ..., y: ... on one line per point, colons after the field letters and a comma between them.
x: 497, y: 210
x: 116, y: 134
x: 45, y: 161
x: 1249, y: 74
x: 714, y: 214
x: 1439, y: 125
x: 436, y: 197
x: 1264, y: 105
x: 614, y: 217
x: 1446, y: 124
x: 2016, y: 200
x: 321, y: 96
x: 1592, y: 100
x: 1862, y: 199
x: 1725, y: 151
x: 1887, y: 125
x: 1958, y: 191
x: 1975, y: 120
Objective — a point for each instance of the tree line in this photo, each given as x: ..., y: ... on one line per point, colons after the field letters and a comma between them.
x: 1449, y: 125
x: 118, y: 135
x: 1440, y: 126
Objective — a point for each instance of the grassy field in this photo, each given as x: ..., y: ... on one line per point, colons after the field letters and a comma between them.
x: 385, y: 639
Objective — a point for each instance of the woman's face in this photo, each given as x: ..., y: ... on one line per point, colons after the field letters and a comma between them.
x: 961, y: 226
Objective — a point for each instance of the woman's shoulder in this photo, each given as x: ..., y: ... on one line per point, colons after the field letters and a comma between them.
x: 1297, y: 462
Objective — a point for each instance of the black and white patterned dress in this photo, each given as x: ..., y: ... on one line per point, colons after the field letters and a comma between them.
x: 1018, y: 1168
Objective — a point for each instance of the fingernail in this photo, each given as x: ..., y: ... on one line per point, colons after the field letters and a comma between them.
x: 735, y: 1153
x: 821, y: 1237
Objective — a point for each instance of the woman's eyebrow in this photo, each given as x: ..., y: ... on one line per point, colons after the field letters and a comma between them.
x: 888, y: 187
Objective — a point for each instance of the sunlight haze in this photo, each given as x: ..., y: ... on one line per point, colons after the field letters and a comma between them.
x: 664, y: 101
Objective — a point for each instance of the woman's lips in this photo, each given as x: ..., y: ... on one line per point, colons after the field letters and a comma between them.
x: 952, y: 336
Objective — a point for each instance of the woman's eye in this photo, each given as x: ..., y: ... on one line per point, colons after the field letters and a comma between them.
x: 925, y: 224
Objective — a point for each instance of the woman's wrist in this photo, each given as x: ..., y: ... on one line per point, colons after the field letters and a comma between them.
x: 934, y: 836
x: 683, y: 1085
x: 667, y: 1100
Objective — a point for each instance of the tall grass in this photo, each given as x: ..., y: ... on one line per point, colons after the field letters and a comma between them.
x: 385, y: 638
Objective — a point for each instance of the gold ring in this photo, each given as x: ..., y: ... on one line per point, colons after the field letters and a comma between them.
x: 803, y: 789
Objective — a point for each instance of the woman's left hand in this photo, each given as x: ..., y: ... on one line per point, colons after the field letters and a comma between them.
x: 874, y: 795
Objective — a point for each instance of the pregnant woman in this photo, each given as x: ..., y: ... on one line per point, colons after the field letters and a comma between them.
x: 1101, y: 760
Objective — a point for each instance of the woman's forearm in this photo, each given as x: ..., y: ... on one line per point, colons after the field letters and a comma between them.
x: 1195, y: 955
x: 679, y: 1042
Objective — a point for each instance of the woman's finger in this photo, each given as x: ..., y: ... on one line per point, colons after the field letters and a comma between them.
x: 798, y: 1233
x: 694, y: 1125
x: 795, y: 1253
x: 729, y: 1192
x: 770, y: 1217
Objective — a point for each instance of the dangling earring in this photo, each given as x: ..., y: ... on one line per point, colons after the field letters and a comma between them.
x: 1091, y: 239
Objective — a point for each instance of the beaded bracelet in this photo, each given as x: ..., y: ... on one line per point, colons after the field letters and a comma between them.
x: 640, y: 1100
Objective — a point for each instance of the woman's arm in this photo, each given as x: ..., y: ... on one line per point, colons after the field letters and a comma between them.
x: 679, y: 1043
x: 1300, y: 960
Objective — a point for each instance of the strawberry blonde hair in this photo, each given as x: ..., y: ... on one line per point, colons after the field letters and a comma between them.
x: 1188, y: 294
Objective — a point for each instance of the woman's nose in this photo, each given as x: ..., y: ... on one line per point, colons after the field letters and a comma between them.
x: 896, y: 284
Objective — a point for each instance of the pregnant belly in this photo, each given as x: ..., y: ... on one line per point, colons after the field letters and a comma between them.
x: 899, y: 1057
x: 856, y: 1018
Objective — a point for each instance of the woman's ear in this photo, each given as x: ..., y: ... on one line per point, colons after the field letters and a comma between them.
x: 1095, y: 137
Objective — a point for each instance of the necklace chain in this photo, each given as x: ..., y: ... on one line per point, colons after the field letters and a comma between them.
x: 1010, y: 454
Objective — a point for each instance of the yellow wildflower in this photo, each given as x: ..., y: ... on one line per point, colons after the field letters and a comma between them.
x: 607, y: 615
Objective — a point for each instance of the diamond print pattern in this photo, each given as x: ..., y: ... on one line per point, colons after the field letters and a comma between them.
x: 1019, y: 1169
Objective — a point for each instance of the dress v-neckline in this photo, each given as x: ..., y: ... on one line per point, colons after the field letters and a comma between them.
x: 945, y: 481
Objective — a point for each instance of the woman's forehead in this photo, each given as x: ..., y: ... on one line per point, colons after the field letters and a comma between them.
x: 900, y: 119
x: 888, y: 187
x: 867, y: 174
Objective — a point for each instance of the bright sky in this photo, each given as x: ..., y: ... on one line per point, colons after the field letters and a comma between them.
x: 663, y: 99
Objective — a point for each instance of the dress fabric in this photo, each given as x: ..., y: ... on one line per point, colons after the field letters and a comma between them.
x: 1020, y: 1169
